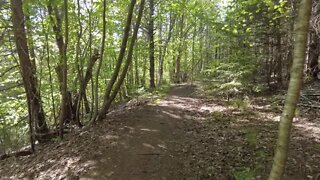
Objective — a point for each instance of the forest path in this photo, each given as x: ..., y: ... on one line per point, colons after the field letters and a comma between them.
x: 148, y: 144
x: 184, y: 135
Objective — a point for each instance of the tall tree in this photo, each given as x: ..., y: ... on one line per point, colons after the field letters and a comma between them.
x: 101, y: 58
x: 67, y: 113
x: 27, y: 69
x: 65, y: 99
x: 162, y: 57
x: 151, y: 43
x: 314, y: 43
x: 129, y: 57
x: 104, y: 108
x: 301, y: 36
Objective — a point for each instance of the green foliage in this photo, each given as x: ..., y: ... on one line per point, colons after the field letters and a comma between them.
x: 232, y: 78
x: 219, y: 43
x: 251, y: 136
x: 244, y: 174
x: 241, y: 103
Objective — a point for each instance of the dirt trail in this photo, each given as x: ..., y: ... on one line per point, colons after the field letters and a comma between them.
x: 181, y: 136
x: 139, y: 142
x: 146, y: 147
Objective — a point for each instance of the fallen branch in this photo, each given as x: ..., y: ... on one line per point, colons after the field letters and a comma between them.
x: 16, y: 154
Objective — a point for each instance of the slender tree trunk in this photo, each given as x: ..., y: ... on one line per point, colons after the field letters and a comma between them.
x: 28, y: 73
x: 177, y: 75
x: 301, y: 36
x: 90, y: 55
x: 193, y: 51
x: 65, y: 99
x: 68, y: 114
x: 56, y: 21
x: 136, y: 66
x: 49, y: 69
x: 83, y: 86
x: 144, y: 73
x: 268, y: 62
x: 77, y: 101
x: 161, y: 47
x: 279, y: 59
x: 314, y: 52
x: 115, y: 74
x: 127, y: 63
x: 151, y: 43
x: 30, y: 40
x: 96, y: 107
x: 162, y: 58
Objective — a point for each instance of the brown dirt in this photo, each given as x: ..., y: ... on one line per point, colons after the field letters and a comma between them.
x: 181, y: 136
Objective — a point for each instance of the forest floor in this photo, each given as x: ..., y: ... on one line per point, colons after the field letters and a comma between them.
x: 180, y: 136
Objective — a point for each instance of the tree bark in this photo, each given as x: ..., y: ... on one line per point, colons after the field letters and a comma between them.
x: 177, y: 70
x: 301, y: 36
x: 314, y: 52
x: 127, y: 63
x: 28, y: 73
x: 96, y: 92
x: 66, y: 97
x: 314, y: 46
x: 163, y: 56
x: 116, y: 71
x: 67, y: 112
x: 83, y: 86
x: 151, y: 43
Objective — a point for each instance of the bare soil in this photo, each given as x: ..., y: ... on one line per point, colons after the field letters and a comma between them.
x: 181, y: 136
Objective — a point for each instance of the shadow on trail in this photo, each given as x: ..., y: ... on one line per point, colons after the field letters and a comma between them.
x: 182, y: 136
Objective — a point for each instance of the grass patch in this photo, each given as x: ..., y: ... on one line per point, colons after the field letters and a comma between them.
x: 244, y: 174
x: 251, y: 136
x: 261, y: 154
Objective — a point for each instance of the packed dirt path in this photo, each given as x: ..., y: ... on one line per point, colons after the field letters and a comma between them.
x: 141, y: 140
x: 180, y: 136
x: 146, y: 146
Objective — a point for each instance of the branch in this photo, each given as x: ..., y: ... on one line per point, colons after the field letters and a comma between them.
x: 7, y: 70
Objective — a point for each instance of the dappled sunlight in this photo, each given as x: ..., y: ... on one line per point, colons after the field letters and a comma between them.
x: 149, y: 130
x: 185, y: 132
x: 191, y: 104
x: 110, y: 137
x: 309, y: 129
x: 171, y: 115
x: 148, y: 146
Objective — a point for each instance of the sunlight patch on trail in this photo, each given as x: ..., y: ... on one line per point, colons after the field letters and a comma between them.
x: 191, y: 104
x: 309, y: 129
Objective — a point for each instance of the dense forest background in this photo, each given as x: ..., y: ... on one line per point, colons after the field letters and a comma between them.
x: 76, y: 59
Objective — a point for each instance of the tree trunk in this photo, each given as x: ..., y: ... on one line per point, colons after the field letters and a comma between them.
x: 127, y: 63
x: 314, y: 52
x: 177, y: 70
x: 66, y: 96
x: 279, y: 62
x: 116, y: 71
x: 193, y: 51
x: 151, y: 43
x: 163, y: 56
x: 314, y: 44
x: 83, y: 86
x: 49, y: 70
x: 301, y: 36
x: 67, y: 113
x: 28, y: 73
x: 96, y: 92
x: 144, y: 71
x: 136, y: 67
